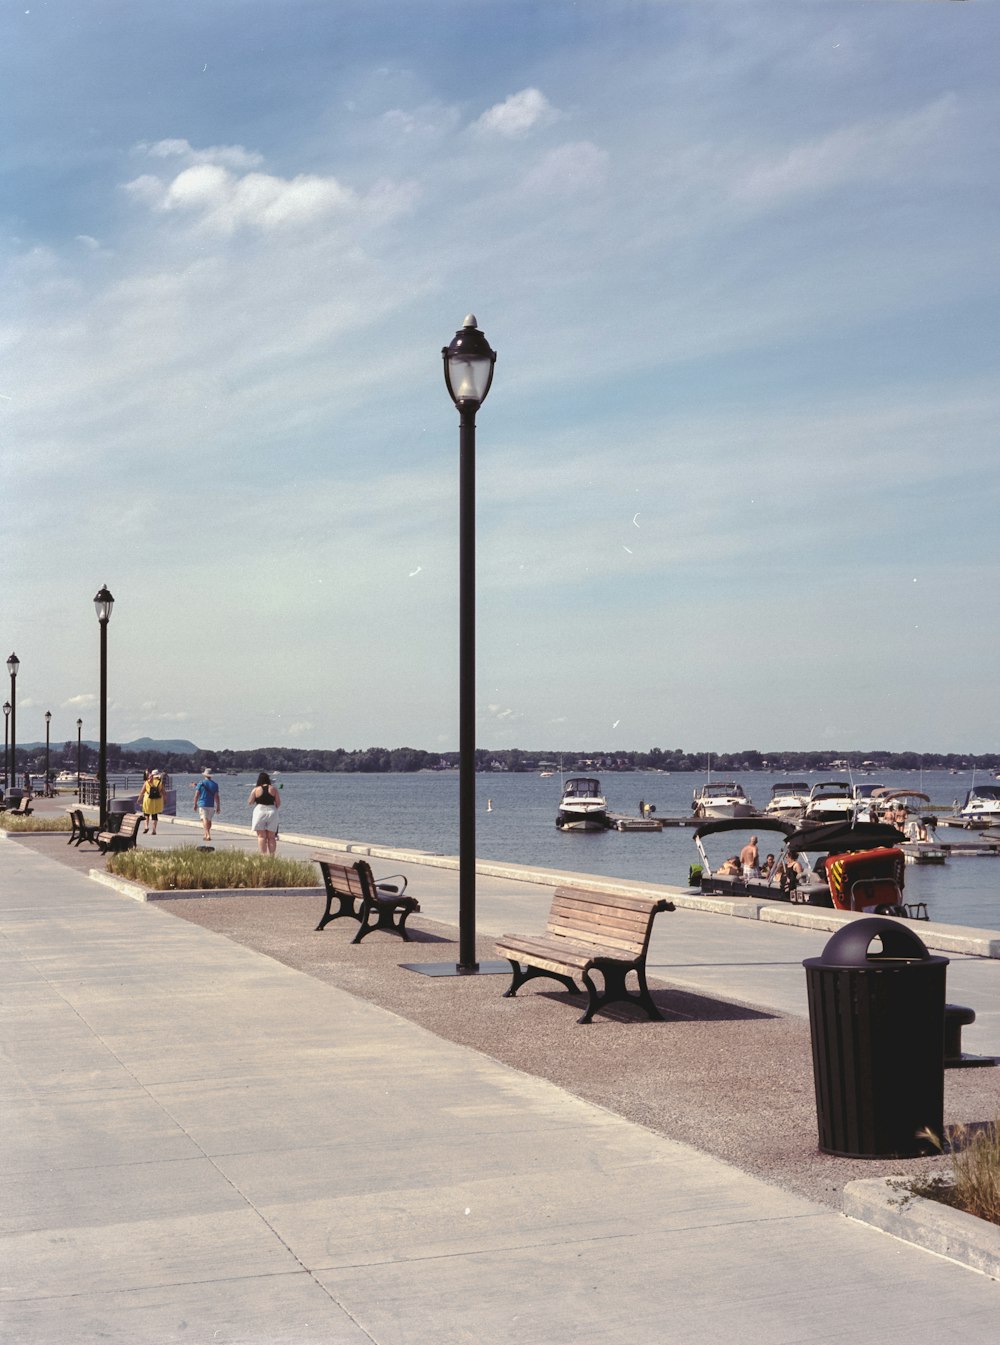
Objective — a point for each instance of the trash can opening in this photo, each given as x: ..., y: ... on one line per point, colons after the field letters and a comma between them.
x: 873, y: 939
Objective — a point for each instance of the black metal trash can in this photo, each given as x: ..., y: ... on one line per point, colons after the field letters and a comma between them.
x: 122, y: 807
x: 877, y: 1026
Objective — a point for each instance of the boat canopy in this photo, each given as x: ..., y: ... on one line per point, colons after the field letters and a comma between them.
x: 720, y: 824
x: 724, y: 789
x: 583, y: 785
x: 790, y: 787
x: 834, y: 838
x: 883, y: 795
x: 983, y: 792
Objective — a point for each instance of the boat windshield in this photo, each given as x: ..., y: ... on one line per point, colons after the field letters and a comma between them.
x: 583, y: 788
x: 722, y: 791
x: 985, y: 792
x: 789, y: 787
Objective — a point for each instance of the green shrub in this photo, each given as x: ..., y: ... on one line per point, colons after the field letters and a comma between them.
x: 47, y: 822
x: 188, y: 868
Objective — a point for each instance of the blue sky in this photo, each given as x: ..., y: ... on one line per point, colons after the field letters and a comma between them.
x: 738, y: 470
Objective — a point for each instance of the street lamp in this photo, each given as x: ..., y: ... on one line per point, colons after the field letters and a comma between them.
x: 79, y: 728
x: 468, y: 373
x: 13, y: 663
x: 103, y: 603
x: 6, y: 740
x: 48, y: 721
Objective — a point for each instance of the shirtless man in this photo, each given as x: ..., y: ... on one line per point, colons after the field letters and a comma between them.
x: 750, y: 859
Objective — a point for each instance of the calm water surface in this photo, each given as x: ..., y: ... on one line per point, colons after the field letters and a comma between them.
x: 516, y: 823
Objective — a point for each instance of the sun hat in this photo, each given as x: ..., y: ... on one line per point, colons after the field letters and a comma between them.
x: 207, y: 771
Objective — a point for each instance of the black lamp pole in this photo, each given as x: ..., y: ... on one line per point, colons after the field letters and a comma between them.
x: 103, y: 603
x: 6, y: 741
x: 79, y: 729
x: 468, y: 373
x: 48, y: 721
x: 13, y: 663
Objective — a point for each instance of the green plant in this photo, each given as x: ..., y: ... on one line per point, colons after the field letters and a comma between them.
x: 188, y: 868
x: 47, y: 822
x: 974, y: 1181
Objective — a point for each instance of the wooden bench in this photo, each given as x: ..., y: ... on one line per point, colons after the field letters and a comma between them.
x: 124, y: 838
x: 586, y: 932
x: 22, y: 808
x: 357, y: 893
x: 81, y: 830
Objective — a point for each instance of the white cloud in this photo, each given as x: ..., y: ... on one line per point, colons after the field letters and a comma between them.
x: 231, y: 156
x: 578, y: 167
x: 299, y: 728
x: 517, y: 115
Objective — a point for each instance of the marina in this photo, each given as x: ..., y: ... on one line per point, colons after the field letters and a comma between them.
x: 516, y: 813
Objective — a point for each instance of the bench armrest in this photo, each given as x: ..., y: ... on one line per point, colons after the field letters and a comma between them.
x: 390, y: 884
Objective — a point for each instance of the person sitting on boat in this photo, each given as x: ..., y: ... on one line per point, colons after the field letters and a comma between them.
x: 767, y: 866
x: 788, y: 874
x: 750, y: 859
x: 732, y: 868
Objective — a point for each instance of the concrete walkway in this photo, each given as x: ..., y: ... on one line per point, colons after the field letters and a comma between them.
x: 203, y: 1145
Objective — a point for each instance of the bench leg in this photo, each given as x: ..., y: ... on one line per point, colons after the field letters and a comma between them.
x: 616, y: 991
x: 345, y: 907
x: 386, y: 922
x: 521, y: 974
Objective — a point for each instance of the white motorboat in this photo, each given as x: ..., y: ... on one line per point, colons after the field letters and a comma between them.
x: 864, y: 795
x: 725, y: 799
x: 830, y: 801
x: 788, y: 799
x: 582, y: 807
x: 982, y: 804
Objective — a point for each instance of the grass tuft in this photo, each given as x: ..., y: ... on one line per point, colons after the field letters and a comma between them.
x: 47, y: 822
x: 974, y: 1181
x: 188, y: 868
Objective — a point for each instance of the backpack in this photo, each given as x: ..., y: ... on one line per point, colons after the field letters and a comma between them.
x: 153, y: 788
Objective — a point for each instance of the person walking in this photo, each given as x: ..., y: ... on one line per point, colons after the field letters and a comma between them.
x: 151, y: 800
x: 265, y: 803
x: 207, y: 802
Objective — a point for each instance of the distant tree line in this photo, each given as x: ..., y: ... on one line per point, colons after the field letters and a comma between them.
x: 372, y: 760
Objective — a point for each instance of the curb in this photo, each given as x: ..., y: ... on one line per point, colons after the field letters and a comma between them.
x: 139, y: 893
x: 961, y: 1237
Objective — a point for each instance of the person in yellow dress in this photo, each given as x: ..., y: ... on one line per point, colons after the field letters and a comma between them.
x: 151, y: 799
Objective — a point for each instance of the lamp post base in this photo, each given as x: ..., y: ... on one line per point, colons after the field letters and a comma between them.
x: 456, y: 968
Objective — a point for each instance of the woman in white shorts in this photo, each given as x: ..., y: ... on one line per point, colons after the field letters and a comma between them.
x: 265, y: 803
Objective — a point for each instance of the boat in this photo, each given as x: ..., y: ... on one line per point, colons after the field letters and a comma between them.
x: 863, y: 796
x: 902, y: 809
x: 726, y: 879
x: 725, y: 799
x: 582, y: 807
x: 982, y: 804
x: 862, y: 863
x: 830, y: 801
x: 788, y: 799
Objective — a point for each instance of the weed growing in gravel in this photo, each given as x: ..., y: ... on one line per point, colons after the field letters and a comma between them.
x: 188, y: 868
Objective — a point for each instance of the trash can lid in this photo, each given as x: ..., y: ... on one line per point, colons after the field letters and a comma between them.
x: 851, y: 945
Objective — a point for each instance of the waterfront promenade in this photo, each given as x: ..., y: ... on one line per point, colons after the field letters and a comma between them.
x: 259, y: 1134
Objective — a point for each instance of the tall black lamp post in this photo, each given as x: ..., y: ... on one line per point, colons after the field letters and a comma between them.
x: 13, y: 663
x: 468, y: 373
x: 79, y: 730
x: 103, y: 603
x: 48, y: 721
x: 6, y: 741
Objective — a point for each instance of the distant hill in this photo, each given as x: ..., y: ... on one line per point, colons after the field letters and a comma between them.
x: 160, y: 745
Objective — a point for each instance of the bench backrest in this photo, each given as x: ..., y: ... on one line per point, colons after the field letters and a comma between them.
x: 599, y: 918
x: 128, y: 826
x: 355, y: 880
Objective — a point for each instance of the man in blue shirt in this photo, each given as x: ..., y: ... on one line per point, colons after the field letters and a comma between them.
x: 206, y: 801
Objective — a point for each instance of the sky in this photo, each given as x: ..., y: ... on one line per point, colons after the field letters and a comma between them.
x: 737, y: 473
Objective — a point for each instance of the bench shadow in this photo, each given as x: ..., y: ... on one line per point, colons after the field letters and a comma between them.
x: 675, y: 1005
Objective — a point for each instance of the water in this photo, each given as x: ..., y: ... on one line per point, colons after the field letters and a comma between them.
x: 420, y: 812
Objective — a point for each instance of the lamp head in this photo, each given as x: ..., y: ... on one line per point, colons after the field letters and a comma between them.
x: 6, y: 708
x: 79, y: 723
x: 103, y: 603
x: 468, y: 364
x: 48, y: 716
x: 13, y: 663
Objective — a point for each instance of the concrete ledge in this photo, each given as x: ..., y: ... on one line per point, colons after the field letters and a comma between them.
x: 884, y: 1203
x: 940, y: 938
x: 139, y: 893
